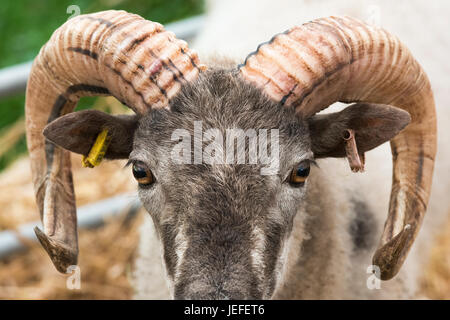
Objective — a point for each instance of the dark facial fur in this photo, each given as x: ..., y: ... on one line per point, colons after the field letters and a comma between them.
x: 223, y: 227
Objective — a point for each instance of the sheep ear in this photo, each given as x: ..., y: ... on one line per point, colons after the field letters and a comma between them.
x: 78, y: 131
x: 372, y: 125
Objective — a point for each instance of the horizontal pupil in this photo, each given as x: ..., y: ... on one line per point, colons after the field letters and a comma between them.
x: 303, y: 172
x: 139, y: 173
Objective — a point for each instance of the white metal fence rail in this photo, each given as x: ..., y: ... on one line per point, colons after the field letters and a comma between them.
x: 89, y: 216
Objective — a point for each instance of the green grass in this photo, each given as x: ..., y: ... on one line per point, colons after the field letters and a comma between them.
x: 27, y: 24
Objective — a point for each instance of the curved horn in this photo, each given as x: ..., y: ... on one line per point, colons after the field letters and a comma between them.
x: 342, y: 59
x: 106, y: 53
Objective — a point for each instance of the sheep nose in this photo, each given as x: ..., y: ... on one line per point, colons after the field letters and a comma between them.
x: 205, y: 290
x: 212, y: 295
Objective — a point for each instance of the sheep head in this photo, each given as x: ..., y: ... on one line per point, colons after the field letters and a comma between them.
x: 223, y: 225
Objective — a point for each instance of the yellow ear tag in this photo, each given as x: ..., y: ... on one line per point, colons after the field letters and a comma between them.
x: 97, y: 151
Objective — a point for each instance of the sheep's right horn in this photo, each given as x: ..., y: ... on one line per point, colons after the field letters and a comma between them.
x: 106, y: 53
x: 342, y: 59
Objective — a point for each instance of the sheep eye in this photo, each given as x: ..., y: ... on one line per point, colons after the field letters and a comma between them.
x: 142, y: 174
x: 299, y: 174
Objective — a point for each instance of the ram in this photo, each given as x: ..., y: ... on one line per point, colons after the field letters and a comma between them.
x: 229, y: 229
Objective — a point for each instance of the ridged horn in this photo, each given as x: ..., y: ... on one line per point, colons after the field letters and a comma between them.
x: 105, y: 53
x: 342, y: 59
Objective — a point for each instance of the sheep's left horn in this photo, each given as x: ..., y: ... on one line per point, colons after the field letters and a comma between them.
x: 106, y: 53
x: 342, y: 59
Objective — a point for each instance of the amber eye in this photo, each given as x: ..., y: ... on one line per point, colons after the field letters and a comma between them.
x: 142, y: 174
x: 299, y: 174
